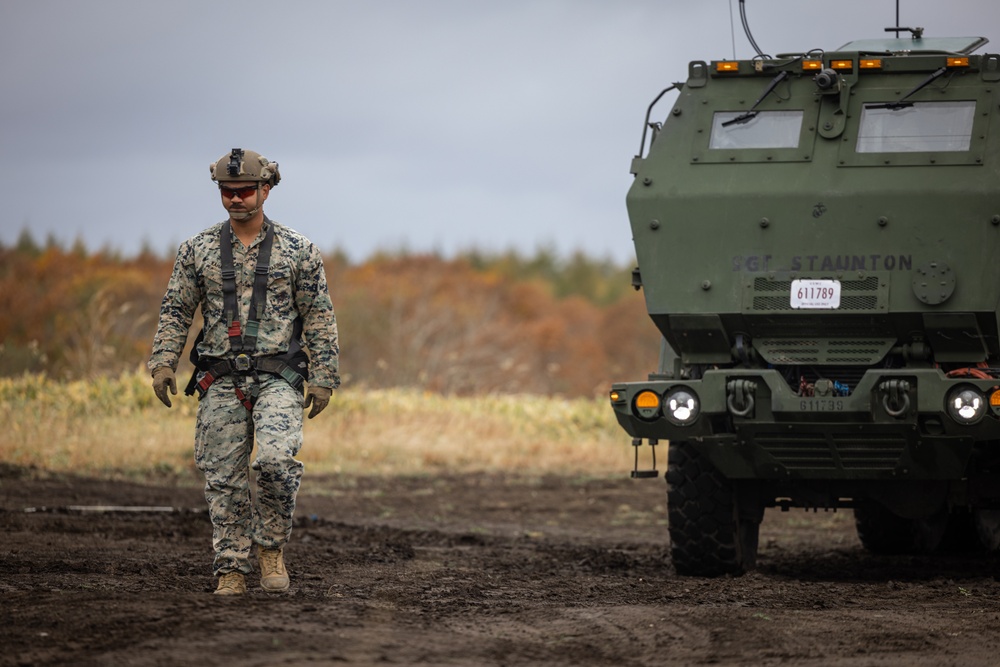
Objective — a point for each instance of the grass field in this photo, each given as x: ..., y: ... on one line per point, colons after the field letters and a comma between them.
x: 116, y: 427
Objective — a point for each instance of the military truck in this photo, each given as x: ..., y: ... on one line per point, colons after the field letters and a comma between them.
x: 818, y: 242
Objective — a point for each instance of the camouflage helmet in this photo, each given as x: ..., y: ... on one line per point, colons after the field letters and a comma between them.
x: 245, y: 166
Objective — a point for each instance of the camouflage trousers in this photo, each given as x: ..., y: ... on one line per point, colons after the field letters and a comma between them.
x: 223, y: 442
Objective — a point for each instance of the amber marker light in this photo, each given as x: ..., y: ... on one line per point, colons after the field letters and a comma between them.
x: 842, y: 64
x: 812, y: 65
x: 647, y: 405
x: 958, y: 62
x: 615, y: 397
x: 647, y: 399
x: 995, y: 399
x: 727, y: 66
x: 870, y: 63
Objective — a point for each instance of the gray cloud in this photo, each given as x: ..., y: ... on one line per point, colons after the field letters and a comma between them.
x: 435, y: 125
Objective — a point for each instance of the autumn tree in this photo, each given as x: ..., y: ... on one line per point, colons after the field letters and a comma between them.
x: 473, y: 324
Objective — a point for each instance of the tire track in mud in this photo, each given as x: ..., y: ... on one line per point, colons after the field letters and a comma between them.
x: 428, y: 578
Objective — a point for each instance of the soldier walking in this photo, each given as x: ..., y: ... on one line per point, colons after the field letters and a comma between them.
x: 269, y: 332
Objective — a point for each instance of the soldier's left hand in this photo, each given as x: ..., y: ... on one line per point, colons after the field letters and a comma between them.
x: 319, y: 398
x: 164, y: 380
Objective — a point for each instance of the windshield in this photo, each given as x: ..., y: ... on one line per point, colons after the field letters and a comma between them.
x: 924, y: 126
x: 766, y: 129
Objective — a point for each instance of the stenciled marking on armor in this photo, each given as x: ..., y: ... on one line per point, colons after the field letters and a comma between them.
x: 872, y: 262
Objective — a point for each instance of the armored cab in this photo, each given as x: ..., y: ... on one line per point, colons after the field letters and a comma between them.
x: 818, y: 242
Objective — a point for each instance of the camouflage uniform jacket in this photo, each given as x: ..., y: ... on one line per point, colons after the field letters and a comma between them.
x: 296, y: 287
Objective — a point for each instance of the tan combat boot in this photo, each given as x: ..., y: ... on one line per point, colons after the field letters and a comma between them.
x: 232, y: 583
x: 273, y: 576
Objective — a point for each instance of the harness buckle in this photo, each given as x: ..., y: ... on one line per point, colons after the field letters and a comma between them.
x: 242, y: 363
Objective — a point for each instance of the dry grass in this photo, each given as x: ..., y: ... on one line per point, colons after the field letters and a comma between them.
x: 116, y: 427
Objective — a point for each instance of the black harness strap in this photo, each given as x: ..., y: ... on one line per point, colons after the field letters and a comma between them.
x: 245, y: 342
x: 218, y: 368
x: 242, y: 343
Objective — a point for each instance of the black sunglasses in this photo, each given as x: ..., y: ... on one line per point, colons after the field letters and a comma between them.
x: 242, y: 193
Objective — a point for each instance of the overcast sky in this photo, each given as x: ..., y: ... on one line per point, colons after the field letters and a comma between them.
x: 427, y: 125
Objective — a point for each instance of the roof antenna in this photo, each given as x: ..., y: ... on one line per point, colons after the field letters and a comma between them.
x: 732, y: 28
x: 917, y: 33
x: 746, y: 29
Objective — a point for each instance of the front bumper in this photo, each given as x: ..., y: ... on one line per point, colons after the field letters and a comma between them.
x: 893, y: 425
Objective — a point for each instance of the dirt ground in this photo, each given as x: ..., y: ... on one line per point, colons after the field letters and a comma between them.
x: 465, y: 570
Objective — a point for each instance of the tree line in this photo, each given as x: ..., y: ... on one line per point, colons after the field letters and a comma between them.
x: 474, y: 323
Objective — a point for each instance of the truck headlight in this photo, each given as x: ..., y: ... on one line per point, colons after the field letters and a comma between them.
x: 681, y: 406
x: 966, y: 404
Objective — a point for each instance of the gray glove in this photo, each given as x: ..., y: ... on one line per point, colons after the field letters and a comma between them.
x: 163, y: 377
x: 319, y: 398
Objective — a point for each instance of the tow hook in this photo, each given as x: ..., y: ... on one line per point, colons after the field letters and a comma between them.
x: 895, y: 397
x: 739, y: 397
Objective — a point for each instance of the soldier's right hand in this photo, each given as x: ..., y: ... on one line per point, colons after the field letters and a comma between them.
x: 163, y: 377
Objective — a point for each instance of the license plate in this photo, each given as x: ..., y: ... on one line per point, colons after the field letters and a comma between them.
x: 817, y: 294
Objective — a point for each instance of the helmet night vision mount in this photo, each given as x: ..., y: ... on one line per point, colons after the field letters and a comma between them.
x: 241, y: 165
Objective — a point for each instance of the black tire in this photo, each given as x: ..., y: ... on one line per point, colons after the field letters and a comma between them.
x: 987, y: 523
x: 708, y: 537
x: 881, y: 531
x: 961, y: 537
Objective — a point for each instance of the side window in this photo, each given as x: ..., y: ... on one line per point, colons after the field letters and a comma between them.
x: 921, y: 127
x: 767, y: 129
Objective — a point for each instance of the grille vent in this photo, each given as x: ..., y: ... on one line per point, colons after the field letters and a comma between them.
x: 830, y: 351
x: 842, y: 451
x: 862, y: 295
